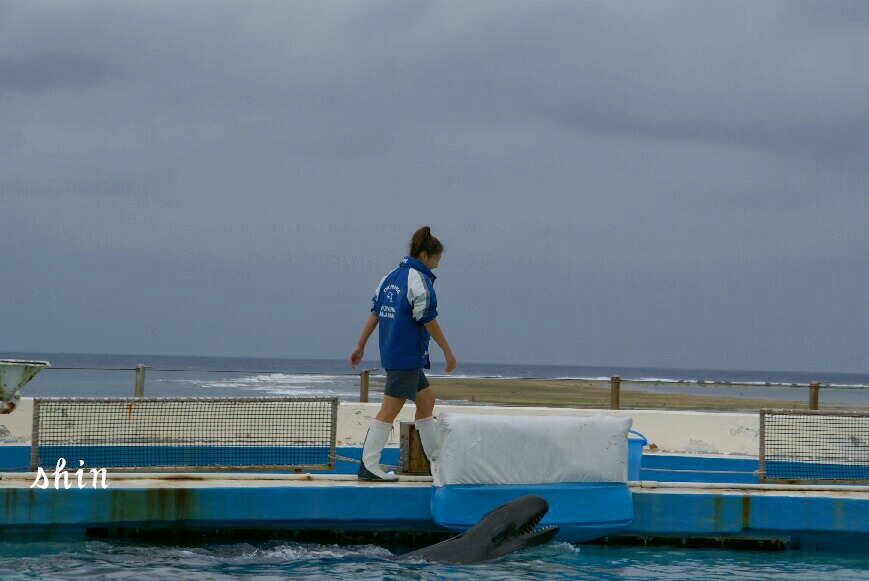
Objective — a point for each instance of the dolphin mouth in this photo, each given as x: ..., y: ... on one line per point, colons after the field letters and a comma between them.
x: 504, y: 529
x: 530, y: 533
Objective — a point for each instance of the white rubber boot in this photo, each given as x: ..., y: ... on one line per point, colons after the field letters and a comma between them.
x: 375, y: 440
x: 428, y: 436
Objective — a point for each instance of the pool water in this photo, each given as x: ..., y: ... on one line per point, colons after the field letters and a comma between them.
x: 92, y: 559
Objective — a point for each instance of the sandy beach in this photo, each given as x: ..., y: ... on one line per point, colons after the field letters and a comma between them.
x: 588, y: 394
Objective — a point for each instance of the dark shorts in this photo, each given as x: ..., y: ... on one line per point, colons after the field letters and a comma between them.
x: 405, y: 383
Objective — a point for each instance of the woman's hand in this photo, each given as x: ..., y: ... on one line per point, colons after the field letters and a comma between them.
x: 434, y: 329
x: 451, y: 361
x: 367, y: 329
x: 356, y: 356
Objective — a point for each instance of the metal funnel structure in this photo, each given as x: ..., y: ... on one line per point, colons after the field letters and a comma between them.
x: 14, y: 374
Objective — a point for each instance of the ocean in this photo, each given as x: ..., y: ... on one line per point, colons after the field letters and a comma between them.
x: 104, y: 375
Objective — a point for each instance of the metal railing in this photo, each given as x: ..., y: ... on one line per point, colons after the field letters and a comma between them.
x: 186, y: 433
x: 615, y: 382
x: 814, y: 446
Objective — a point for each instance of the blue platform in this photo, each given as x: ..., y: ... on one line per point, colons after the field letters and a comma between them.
x: 583, y: 511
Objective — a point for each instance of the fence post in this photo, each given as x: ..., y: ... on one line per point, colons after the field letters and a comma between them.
x: 615, y: 392
x: 814, y: 388
x: 363, y: 386
x: 140, y: 379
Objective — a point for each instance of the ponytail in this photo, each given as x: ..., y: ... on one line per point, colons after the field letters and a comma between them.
x: 423, y: 241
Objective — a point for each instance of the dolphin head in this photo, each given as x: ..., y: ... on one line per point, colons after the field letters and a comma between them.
x: 507, y: 528
x: 511, y: 527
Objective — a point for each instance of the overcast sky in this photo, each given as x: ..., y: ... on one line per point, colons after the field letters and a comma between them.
x: 667, y: 184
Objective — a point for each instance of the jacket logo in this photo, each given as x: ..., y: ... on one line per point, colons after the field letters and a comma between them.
x: 390, y: 289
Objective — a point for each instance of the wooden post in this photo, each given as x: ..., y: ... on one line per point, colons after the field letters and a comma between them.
x: 140, y: 380
x: 411, y: 455
x: 814, y: 387
x: 615, y: 392
x: 363, y: 386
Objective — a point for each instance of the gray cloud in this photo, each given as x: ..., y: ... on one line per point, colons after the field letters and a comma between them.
x: 675, y: 184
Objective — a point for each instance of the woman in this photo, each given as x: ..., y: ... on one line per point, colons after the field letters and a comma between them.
x: 405, y: 307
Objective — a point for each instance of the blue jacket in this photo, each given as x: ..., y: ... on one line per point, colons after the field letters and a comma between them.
x: 404, y: 302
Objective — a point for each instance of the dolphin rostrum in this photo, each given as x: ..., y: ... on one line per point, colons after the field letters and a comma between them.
x: 503, y: 530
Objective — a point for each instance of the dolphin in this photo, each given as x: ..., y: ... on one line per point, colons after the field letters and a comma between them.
x: 507, y: 528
